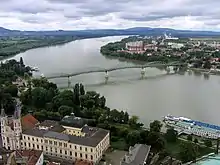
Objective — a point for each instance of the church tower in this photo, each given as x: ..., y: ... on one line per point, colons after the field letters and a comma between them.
x: 11, y: 129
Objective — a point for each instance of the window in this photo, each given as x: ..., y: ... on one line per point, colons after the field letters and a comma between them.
x: 46, y: 148
x: 80, y: 148
x: 42, y: 148
x: 55, y: 143
x: 32, y: 139
x: 85, y: 149
x: 37, y: 146
x: 37, y: 139
x: 60, y: 144
x: 50, y: 142
x: 70, y: 153
x: 75, y: 154
x: 28, y: 138
x: 65, y: 145
x: 25, y: 144
x: 65, y: 152
x: 86, y: 156
x: 70, y: 146
x: 24, y: 137
x: 51, y: 149
x: 61, y: 151
x: 46, y: 141
x: 80, y: 155
x: 91, y: 157
x: 91, y: 150
x: 55, y: 150
x: 33, y: 145
x: 29, y: 144
x: 75, y: 147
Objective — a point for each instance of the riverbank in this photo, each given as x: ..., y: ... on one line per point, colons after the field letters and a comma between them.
x: 12, y: 46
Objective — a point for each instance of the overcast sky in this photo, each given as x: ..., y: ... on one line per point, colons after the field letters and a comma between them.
x: 102, y: 14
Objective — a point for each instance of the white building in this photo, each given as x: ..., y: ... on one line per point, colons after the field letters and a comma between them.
x: 11, y: 129
x: 175, y: 45
x: 135, y: 46
x: 74, y: 142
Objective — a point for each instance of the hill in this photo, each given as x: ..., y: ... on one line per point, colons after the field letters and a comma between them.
x: 112, y: 32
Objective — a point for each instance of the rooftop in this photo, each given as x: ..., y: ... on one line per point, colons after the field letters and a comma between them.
x: 137, y: 155
x: 92, y: 138
x: 31, y: 156
x: 73, y: 121
x: 28, y: 121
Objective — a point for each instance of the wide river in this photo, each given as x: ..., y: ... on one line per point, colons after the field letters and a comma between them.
x: 151, y: 98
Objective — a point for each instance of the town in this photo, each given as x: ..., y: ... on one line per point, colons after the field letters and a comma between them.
x: 200, y: 53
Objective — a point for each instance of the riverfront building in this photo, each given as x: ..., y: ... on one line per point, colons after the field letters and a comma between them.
x: 71, y: 140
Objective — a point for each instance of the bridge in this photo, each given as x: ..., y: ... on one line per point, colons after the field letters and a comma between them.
x: 152, y: 64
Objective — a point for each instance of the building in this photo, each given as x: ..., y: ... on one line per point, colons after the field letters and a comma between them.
x: 11, y: 129
x: 29, y: 157
x: 175, y: 45
x: 137, y: 155
x: 136, y: 47
x: 22, y: 157
x: 71, y: 140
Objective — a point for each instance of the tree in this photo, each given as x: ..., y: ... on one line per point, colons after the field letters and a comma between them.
x: 82, y: 90
x: 12, y: 89
x: 196, y: 140
x: 188, y: 152
x: 133, y: 120
x: 208, y: 143
x: 155, y: 126
x: 189, y: 137
x: 39, y: 97
x: 133, y: 138
x: 21, y: 61
x: 65, y: 110
x: 171, y: 135
x: 76, y: 94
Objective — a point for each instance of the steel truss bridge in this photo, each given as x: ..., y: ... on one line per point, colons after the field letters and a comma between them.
x: 151, y: 64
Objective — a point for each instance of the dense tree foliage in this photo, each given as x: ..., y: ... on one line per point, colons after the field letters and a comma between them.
x: 171, y: 135
x: 9, y: 72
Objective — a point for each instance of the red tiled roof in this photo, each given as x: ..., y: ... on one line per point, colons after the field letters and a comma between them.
x: 82, y: 162
x: 28, y: 121
x: 31, y: 155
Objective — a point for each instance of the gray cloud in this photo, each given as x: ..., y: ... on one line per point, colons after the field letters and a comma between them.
x: 62, y: 14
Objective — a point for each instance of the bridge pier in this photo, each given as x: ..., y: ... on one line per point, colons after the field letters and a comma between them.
x: 143, y: 70
x: 69, y: 81
x: 106, y: 77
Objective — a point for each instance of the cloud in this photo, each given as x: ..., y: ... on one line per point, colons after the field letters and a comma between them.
x: 99, y: 14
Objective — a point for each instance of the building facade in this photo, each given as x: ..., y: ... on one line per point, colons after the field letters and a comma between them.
x: 76, y: 142
x: 11, y: 129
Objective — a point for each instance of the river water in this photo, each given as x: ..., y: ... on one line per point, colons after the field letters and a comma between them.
x: 157, y: 95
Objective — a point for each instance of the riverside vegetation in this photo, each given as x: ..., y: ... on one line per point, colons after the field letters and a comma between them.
x: 46, y: 102
x: 10, y: 46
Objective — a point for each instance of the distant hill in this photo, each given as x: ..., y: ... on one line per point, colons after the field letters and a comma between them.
x: 112, y: 32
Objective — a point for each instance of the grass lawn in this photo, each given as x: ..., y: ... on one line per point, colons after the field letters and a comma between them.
x: 119, y: 144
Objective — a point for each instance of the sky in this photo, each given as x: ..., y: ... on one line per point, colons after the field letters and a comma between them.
x: 109, y: 14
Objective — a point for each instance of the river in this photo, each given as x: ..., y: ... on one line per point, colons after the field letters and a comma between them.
x: 157, y: 95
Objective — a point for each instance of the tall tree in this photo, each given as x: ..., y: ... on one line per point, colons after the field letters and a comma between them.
x: 82, y: 90
x: 21, y: 61
x: 76, y: 94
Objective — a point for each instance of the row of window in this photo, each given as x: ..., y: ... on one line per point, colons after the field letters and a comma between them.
x: 59, y: 151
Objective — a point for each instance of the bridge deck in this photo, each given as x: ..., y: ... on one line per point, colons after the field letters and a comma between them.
x: 113, y: 69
